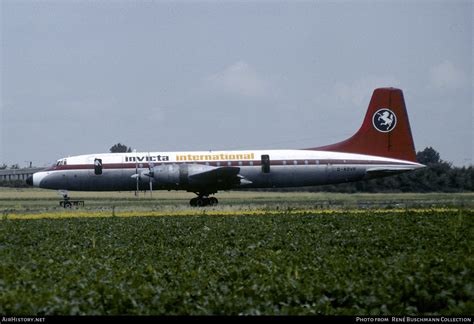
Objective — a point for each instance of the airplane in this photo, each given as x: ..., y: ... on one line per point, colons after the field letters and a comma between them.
x: 383, y: 146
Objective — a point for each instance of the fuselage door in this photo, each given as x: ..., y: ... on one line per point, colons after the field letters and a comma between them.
x: 97, y: 166
x: 265, y: 163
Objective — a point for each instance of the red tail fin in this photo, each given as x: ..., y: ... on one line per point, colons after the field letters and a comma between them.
x: 385, y: 131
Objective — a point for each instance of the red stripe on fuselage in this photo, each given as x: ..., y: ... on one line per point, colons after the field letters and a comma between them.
x: 225, y: 163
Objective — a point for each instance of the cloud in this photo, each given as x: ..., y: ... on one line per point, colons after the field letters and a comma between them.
x: 358, y: 91
x: 446, y: 76
x: 239, y: 78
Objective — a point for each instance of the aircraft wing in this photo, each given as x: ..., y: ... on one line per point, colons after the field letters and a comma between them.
x: 220, y: 175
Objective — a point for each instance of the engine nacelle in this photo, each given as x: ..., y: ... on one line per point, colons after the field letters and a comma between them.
x: 177, y: 174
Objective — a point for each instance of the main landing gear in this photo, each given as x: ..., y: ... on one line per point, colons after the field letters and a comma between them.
x: 202, y: 201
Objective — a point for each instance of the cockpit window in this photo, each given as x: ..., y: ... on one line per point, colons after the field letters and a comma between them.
x: 61, y: 162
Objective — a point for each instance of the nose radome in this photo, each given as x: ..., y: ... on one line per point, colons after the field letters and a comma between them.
x: 29, y: 180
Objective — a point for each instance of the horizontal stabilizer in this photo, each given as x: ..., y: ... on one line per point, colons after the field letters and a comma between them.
x: 382, y: 172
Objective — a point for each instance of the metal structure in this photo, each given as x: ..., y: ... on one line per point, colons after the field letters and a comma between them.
x: 12, y: 175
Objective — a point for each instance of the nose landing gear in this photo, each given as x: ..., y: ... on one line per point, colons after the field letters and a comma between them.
x: 67, y: 202
x: 202, y: 201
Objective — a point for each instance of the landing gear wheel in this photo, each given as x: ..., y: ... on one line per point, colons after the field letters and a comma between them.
x: 201, y: 202
x: 193, y: 202
x: 213, y: 201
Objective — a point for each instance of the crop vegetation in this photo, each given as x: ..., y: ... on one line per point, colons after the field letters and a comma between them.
x: 270, y: 259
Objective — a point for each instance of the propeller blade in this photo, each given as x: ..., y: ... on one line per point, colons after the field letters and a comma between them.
x: 150, y: 174
x: 151, y: 188
x: 136, y: 173
x: 136, y: 189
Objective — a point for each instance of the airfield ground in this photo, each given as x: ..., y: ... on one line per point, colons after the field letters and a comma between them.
x: 256, y: 253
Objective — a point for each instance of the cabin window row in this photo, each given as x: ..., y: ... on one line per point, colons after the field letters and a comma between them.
x: 249, y: 163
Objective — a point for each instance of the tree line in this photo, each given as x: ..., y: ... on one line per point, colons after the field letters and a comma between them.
x: 438, y: 176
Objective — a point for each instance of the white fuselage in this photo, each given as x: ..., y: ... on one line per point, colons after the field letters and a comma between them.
x: 255, y: 168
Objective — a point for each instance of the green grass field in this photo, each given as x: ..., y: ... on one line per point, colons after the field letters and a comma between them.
x: 41, y: 200
x: 284, y: 254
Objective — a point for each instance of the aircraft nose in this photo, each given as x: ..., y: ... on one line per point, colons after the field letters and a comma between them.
x: 29, y: 180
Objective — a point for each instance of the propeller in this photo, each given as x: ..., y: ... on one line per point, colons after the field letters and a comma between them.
x: 150, y: 174
x: 136, y: 176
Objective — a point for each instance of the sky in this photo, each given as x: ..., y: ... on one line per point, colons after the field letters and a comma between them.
x: 78, y: 77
